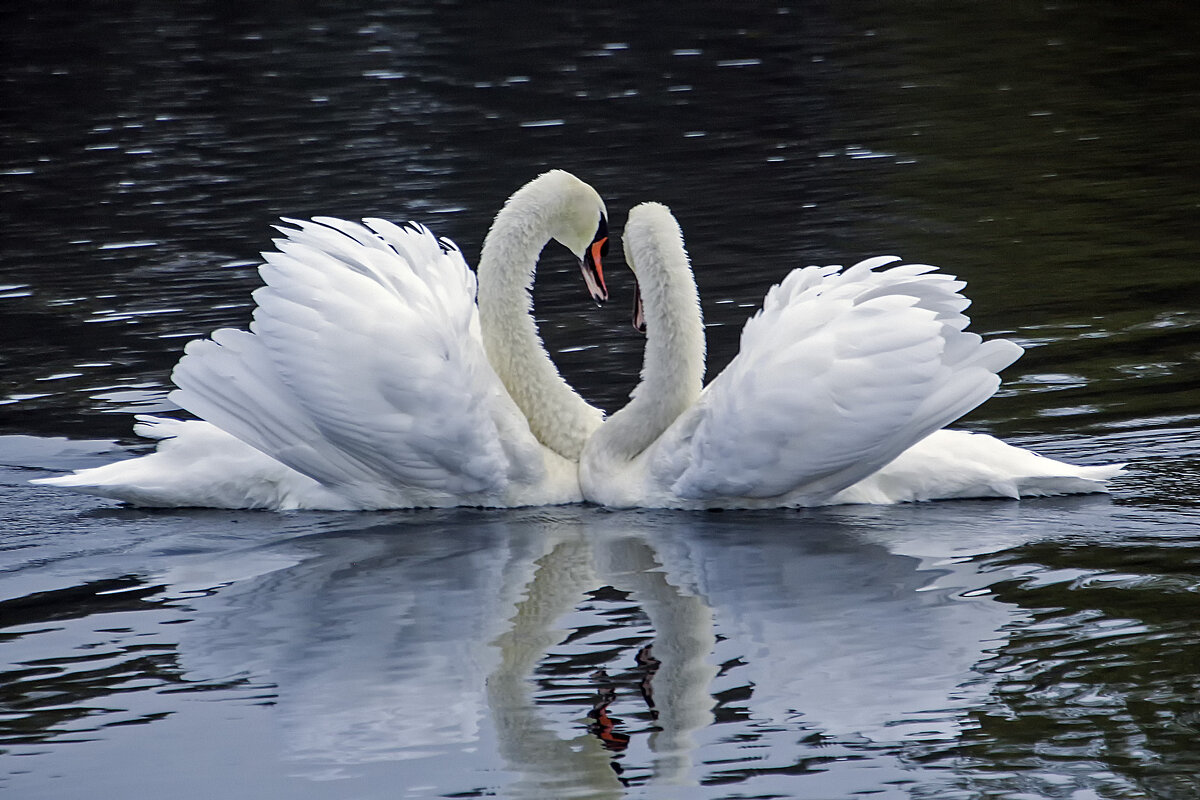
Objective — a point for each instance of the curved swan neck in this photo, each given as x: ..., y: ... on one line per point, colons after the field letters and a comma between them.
x: 673, y: 364
x: 557, y: 416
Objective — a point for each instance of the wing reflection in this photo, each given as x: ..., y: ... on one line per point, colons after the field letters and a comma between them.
x: 577, y: 651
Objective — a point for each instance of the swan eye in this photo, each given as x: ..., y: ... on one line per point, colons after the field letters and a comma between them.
x: 602, y: 236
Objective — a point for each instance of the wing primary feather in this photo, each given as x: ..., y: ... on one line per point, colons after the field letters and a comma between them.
x: 838, y: 373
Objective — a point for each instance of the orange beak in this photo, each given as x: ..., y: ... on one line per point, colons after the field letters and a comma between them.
x: 593, y: 267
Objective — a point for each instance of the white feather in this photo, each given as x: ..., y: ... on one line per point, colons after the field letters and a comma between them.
x: 839, y: 374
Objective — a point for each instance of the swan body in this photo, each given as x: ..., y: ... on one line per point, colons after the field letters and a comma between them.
x: 364, y: 381
x: 839, y: 392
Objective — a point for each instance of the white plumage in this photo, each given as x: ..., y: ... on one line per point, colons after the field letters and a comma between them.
x: 373, y: 377
x: 841, y: 372
x: 401, y: 407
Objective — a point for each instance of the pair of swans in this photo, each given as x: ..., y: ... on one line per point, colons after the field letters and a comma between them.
x: 372, y: 377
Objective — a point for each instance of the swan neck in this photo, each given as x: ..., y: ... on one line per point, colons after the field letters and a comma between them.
x: 557, y: 416
x: 673, y: 364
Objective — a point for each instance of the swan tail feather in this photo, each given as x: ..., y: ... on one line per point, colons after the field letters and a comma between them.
x: 198, y: 465
x: 954, y: 464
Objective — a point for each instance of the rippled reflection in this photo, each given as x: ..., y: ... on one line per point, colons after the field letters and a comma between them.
x: 1112, y: 627
x: 581, y: 653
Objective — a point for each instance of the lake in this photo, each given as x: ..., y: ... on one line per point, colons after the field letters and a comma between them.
x: 1044, y: 152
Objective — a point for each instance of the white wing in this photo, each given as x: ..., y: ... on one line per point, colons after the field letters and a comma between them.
x: 837, y: 374
x: 364, y: 369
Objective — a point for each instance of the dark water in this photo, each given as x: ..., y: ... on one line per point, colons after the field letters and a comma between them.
x: 1045, y: 152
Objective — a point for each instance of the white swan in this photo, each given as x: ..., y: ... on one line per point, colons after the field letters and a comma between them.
x: 364, y: 381
x: 841, y: 372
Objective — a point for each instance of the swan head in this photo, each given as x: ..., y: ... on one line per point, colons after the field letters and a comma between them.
x: 577, y: 219
x: 652, y: 239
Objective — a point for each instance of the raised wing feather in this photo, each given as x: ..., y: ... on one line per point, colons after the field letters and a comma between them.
x: 363, y: 367
x: 837, y: 375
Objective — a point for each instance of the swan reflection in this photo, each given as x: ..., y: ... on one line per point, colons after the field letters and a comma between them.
x: 575, y: 651
x: 676, y: 676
